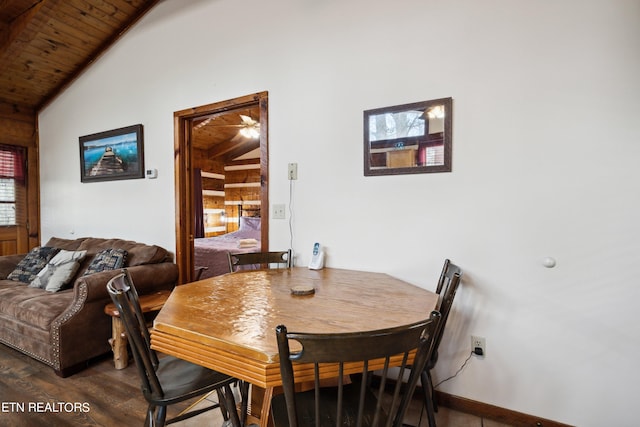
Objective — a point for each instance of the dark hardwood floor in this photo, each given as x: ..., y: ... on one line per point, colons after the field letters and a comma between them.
x: 32, y: 395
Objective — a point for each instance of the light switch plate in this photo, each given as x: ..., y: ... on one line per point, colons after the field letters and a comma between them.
x: 278, y: 212
x: 293, y: 171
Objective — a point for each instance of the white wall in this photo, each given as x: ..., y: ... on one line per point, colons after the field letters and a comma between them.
x: 545, y: 153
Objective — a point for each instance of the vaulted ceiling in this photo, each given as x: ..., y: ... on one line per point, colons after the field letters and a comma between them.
x: 46, y: 44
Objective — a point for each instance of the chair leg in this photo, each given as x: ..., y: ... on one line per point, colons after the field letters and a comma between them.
x: 432, y: 392
x: 429, y: 403
x: 222, y: 403
x: 230, y: 405
x: 244, y: 404
x: 161, y: 416
x: 148, y: 421
x: 156, y: 416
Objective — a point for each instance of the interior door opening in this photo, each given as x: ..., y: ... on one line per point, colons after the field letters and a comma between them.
x: 221, y: 162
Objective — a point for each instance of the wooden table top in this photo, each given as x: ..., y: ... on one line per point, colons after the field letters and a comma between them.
x: 228, y: 322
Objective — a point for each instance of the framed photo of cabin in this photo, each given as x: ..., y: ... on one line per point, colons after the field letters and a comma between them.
x: 112, y: 155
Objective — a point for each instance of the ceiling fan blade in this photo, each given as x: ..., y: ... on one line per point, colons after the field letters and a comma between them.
x: 248, y: 121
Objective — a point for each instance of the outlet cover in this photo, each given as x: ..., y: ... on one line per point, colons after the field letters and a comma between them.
x: 479, y: 343
x: 278, y: 212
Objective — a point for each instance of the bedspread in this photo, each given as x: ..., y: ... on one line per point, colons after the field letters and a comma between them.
x: 211, y: 252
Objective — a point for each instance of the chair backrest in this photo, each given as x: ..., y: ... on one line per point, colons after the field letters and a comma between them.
x: 446, y: 290
x: 125, y: 297
x: 256, y: 260
x: 370, y: 408
x: 448, y: 270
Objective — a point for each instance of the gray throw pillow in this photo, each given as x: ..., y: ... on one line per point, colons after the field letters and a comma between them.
x: 59, y: 271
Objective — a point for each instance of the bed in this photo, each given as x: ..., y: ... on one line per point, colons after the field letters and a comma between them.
x: 211, y: 252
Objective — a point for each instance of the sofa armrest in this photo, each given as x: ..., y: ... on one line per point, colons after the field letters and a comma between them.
x: 146, y: 278
x: 8, y: 263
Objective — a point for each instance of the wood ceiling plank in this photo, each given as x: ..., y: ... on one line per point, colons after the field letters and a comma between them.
x: 24, y: 75
x: 77, y: 36
x: 39, y: 51
x: 23, y: 82
x: 55, y: 43
x: 106, y: 12
x: 102, y: 24
x: 94, y: 17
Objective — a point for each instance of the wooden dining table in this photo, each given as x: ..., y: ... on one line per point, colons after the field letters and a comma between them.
x: 227, y: 323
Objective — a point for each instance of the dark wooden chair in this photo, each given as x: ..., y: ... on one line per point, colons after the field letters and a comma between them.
x: 256, y: 260
x: 358, y: 402
x: 446, y: 289
x: 166, y: 380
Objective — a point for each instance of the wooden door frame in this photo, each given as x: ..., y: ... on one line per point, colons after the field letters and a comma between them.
x: 183, y: 175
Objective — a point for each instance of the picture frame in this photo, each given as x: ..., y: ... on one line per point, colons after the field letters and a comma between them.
x: 409, y: 138
x: 112, y: 155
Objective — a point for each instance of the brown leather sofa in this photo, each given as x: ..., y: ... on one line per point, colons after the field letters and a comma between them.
x: 67, y: 328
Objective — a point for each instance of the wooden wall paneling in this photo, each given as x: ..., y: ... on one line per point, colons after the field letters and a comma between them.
x: 8, y: 242
x: 213, y: 182
x: 18, y: 127
x: 237, y: 193
x: 213, y: 194
x: 242, y: 187
x: 243, y: 173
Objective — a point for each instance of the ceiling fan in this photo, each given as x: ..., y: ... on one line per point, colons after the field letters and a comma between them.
x: 248, y: 127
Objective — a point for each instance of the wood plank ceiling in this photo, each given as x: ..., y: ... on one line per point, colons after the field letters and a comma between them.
x: 220, y: 136
x: 46, y: 44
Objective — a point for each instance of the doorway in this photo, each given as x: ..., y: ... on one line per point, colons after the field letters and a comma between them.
x: 235, y: 129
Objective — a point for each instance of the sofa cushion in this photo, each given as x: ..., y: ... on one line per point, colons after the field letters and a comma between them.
x: 66, y: 244
x: 32, y: 263
x: 32, y: 306
x: 137, y: 253
x: 58, y: 271
x: 107, y: 259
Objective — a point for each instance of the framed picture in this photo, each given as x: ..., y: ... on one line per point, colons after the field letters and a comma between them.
x: 111, y: 155
x: 409, y: 138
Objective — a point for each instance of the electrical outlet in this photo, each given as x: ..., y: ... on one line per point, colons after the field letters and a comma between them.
x: 278, y: 212
x: 478, y: 345
x: 293, y: 171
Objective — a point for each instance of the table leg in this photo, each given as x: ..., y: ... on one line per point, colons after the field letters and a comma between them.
x: 266, y: 407
x: 261, y: 405
x: 118, y: 343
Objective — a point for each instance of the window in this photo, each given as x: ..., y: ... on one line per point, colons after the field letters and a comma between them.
x: 7, y: 201
x: 12, y: 180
